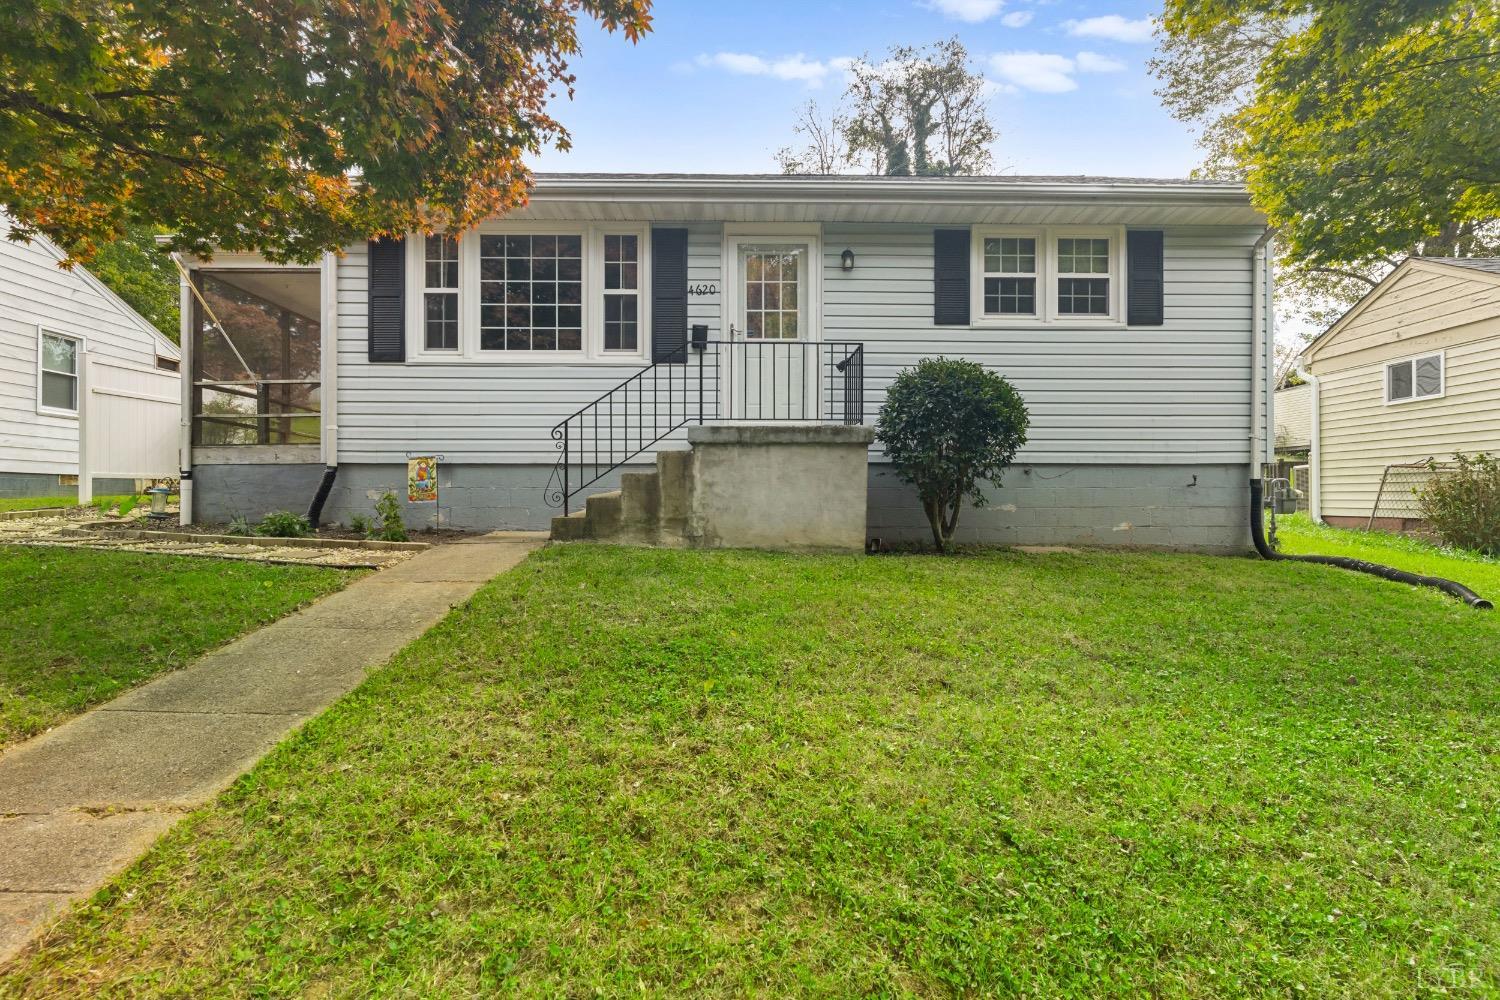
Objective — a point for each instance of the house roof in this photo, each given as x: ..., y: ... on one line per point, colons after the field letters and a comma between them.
x: 1005, y: 199
x: 1484, y: 269
x: 1490, y: 264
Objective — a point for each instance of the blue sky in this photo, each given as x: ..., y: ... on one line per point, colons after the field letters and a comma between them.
x: 715, y: 86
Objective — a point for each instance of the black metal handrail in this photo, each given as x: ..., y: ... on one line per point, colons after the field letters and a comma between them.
x: 703, y: 381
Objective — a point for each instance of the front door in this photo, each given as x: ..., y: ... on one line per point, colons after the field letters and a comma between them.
x: 772, y: 361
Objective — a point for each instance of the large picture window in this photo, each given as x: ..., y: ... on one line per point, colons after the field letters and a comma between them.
x: 58, y: 373
x: 512, y: 291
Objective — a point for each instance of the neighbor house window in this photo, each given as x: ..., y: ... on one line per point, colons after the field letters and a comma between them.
x: 440, y: 294
x: 59, y: 373
x: 531, y: 292
x: 1414, y: 378
x: 1010, y: 276
x: 1083, y: 276
x: 622, y: 276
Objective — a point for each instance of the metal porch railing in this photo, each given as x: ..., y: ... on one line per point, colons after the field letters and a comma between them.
x: 701, y: 382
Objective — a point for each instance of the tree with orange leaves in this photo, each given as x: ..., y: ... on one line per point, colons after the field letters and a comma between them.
x: 288, y: 127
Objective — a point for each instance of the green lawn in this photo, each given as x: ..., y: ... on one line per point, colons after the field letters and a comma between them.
x: 623, y: 771
x: 1481, y: 574
x: 35, y: 503
x: 80, y: 627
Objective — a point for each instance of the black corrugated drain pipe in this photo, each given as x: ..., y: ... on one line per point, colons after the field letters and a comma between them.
x: 1258, y: 533
x: 315, y: 512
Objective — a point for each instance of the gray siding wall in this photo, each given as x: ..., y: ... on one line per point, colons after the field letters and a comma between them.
x: 1174, y: 394
x: 35, y: 292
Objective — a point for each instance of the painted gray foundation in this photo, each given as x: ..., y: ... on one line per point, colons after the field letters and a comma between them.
x: 1197, y: 507
x: 36, y: 484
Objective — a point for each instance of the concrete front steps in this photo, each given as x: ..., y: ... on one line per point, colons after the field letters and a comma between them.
x: 649, y: 508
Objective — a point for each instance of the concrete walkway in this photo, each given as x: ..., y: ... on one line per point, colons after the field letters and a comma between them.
x: 79, y: 803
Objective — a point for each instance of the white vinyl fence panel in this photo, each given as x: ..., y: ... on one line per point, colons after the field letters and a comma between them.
x: 127, y: 423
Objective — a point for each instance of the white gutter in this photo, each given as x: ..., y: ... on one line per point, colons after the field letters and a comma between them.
x: 185, y: 419
x: 1314, y: 456
x: 1259, y: 300
x: 329, y: 391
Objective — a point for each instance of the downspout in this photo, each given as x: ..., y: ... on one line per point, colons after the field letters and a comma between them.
x: 1314, y: 446
x: 329, y: 389
x: 1259, y: 297
x: 185, y: 417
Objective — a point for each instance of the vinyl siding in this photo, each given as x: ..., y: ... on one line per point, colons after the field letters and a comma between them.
x: 1361, y: 434
x: 1176, y: 394
x: 35, y: 292
x: 1293, y: 411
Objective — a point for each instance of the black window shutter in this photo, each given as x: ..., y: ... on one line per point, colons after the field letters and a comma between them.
x: 1144, y: 283
x: 387, y: 277
x: 669, y: 278
x: 950, y: 277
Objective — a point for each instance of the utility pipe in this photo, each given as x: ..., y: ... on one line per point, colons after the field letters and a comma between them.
x: 185, y: 418
x: 328, y: 392
x: 1314, y: 446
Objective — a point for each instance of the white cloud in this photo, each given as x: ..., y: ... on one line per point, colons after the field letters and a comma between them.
x: 1111, y: 26
x: 1048, y: 72
x: 1039, y: 71
x: 1017, y: 18
x: 972, y: 11
x: 797, y: 68
x: 1093, y: 62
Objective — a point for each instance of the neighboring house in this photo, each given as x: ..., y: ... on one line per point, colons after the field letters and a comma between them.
x: 67, y: 342
x: 614, y: 309
x: 1411, y: 372
x: 1292, y: 407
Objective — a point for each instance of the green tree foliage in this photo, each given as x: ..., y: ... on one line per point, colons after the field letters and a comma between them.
x: 922, y: 110
x: 1366, y: 129
x: 948, y: 427
x: 141, y: 273
x: 285, y: 126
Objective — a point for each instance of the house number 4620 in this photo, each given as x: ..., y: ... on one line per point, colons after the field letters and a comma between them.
x: 707, y: 288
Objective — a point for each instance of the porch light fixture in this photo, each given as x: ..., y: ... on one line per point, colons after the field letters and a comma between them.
x: 848, y: 258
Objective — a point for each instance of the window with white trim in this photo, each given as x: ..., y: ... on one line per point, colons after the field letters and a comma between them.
x: 1083, y: 276
x: 1414, y: 378
x: 622, y: 283
x: 512, y: 291
x: 440, y: 294
x: 1010, y: 276
x: 58, y: 373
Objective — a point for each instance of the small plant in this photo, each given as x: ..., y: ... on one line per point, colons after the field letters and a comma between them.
x: 361, y: 525
x: 283, y: 524
x: 388, y: 510
x: 239, y: 526
x: 948, y: 427
x: 128, y: 504
x: 102, y: 504
x: 1463, y: 504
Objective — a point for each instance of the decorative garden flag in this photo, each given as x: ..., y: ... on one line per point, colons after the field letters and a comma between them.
x: 421, y: 479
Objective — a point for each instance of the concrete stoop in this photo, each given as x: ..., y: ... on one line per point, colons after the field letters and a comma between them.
x: 798, y: 487
x: 649, y: 508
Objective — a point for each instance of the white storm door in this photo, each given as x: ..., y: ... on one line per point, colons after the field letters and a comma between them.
x: 772, y: 358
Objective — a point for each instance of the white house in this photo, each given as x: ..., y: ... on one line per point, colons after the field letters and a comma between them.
x: 68, y: 345
x: 1410, y: 373
x: 540, y: 356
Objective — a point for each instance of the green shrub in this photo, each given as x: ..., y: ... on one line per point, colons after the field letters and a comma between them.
x: 361, y: 525
x: 102, y: 504
x: 128, y: 504
x: 948, y: 426
x: 239, y: 526
x: 388, y: 510
x: 283, y: 524
x: 1463, y: 505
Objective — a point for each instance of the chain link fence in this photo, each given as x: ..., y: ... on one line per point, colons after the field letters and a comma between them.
x: 1399, y: 486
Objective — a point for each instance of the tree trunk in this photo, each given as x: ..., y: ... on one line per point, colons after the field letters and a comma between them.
x: 934, y: 510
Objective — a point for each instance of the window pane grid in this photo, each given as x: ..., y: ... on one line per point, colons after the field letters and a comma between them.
x: 1010, y: 296
x: 1082, y: 256
x: 59, y: 372
x: 1083, y: 296
x: 772, y: 295
x: 531, y: 292
x: 621, y: 285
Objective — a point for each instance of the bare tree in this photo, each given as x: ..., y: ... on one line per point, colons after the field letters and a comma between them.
x: 824, y: 151
x: 922, y: 110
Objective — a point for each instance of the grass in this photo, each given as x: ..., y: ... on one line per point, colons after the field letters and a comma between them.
x: 35, y: 503
x: 81, y: 627
x: 623, y: 771
x: 1480, y: 573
